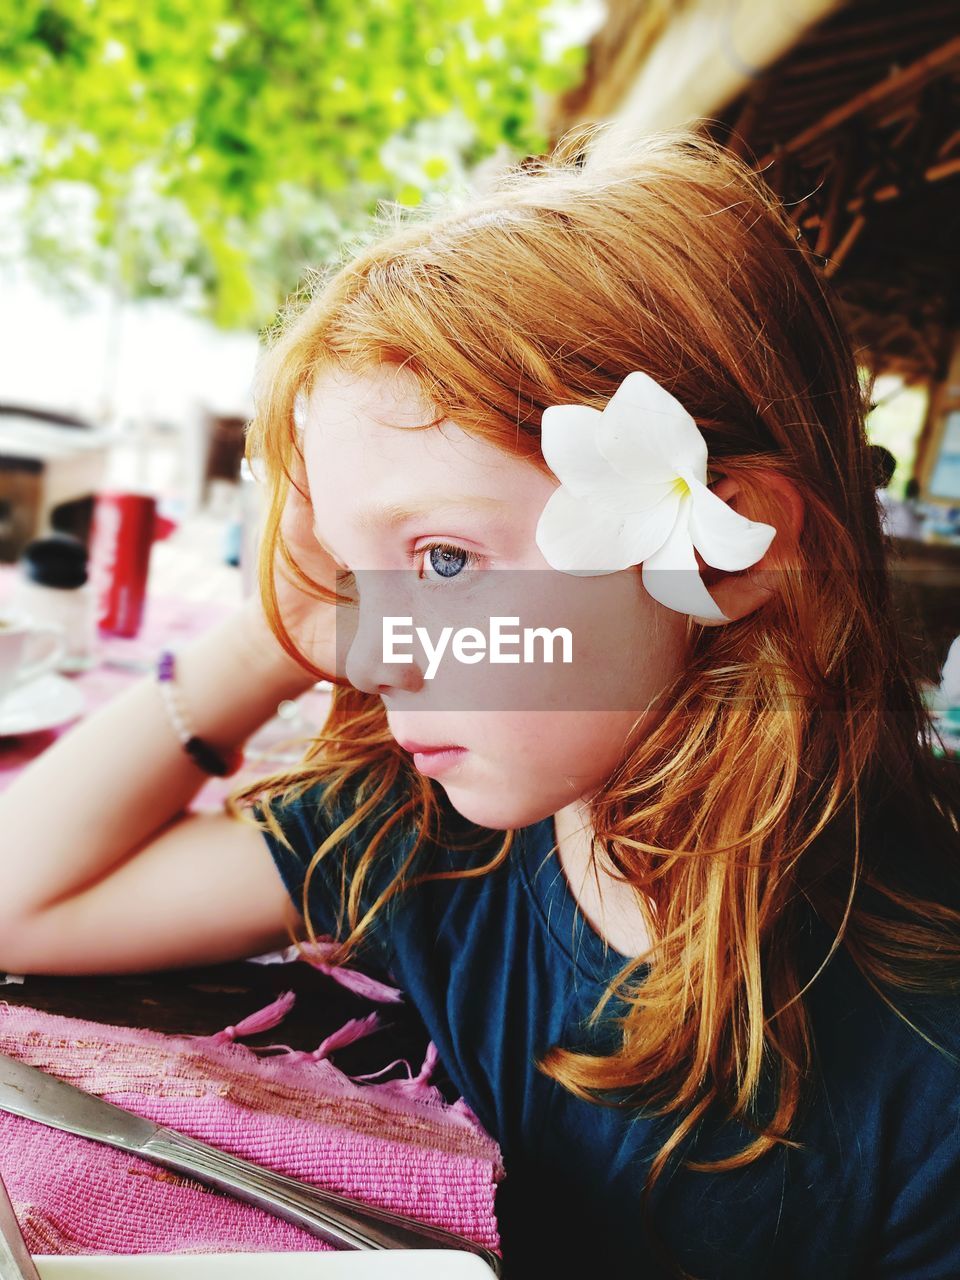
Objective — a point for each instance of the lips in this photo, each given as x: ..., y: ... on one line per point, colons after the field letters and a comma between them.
x: 434, y: 761
x: 408, y: 744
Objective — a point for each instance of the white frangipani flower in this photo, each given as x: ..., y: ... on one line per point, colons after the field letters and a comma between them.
x: 633, y: 491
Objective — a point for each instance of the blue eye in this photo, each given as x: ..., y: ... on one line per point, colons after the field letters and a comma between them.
x: 446, y: 560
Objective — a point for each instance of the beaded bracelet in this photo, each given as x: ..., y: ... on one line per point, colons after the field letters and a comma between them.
x: 206, y: 757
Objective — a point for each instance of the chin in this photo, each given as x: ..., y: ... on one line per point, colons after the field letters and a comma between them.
x: 498, y: 812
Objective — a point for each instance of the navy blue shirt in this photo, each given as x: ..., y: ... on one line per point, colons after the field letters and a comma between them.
x: 504, y: 966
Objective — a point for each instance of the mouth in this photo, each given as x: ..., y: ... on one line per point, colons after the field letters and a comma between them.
x: 425, y: 748
x: 433, y: 759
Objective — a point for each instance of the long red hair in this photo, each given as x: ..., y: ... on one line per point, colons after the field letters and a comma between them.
x: 792, y: 732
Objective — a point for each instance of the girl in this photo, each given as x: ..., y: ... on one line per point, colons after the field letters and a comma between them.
x: 692, y: 956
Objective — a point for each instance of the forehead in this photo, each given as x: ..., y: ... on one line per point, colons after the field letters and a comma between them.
x: 344, y: 405
x: 360, y: 436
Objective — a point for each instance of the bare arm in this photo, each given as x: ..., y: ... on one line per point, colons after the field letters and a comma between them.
x: 101, y: 868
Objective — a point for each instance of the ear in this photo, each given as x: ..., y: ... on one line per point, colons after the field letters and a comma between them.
x: 772, y: 498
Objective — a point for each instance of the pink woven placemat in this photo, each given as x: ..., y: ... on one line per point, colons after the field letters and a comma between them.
x: 396, y: 1144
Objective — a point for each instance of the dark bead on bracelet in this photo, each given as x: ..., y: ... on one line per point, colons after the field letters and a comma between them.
x: 210, y: 760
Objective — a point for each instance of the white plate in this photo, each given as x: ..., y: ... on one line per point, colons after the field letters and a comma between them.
x: 400, y: 1264
x: 42, y: 704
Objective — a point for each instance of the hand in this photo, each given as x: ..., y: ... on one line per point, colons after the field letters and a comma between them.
x: 309, y: 619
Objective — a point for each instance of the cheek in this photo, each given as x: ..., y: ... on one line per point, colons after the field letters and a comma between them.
x: 554, y: 752
x: 628, y: 647
x: 528, y: 766
x: 581, y: 749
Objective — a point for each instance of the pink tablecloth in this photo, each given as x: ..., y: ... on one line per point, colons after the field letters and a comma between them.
x: 397, y: 1144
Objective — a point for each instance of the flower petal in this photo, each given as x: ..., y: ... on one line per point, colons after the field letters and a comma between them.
x: 646, y: 433
x: 672, y: 576
x: 725, y: 539
x: 568, y: 442
x: 589, y: 534
x: 646, y: 527
x: 581, y: 535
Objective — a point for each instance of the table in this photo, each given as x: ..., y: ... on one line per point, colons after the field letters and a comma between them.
x: 203, y: 1001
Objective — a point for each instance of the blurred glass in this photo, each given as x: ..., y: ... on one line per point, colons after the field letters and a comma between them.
x: 282, y: 741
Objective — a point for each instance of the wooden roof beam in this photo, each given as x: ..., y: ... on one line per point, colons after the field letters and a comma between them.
x: 905, y: 83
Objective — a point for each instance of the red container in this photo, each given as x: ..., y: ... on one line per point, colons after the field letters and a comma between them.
x: 120, y: 542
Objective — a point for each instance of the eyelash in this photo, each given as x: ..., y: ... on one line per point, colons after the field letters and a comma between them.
x: 473, y: 560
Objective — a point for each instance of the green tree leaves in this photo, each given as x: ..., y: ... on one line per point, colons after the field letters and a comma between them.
x: 231, y: 144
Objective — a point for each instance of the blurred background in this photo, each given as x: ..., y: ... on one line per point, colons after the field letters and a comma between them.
x: 170, y: 170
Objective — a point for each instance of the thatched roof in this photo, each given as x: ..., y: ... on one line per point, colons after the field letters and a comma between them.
x: 849, y: 109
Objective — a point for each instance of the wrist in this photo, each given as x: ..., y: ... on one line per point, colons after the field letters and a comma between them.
x: 231, y: 680
x: 264, y: 655
x: 206, y: 756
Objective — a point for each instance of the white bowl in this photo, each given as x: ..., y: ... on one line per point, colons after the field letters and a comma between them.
x: 399, y: 1264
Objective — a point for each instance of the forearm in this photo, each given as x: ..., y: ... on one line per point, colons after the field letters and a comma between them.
x: 105, y: 788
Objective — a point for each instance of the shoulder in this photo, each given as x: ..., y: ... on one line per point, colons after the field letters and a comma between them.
x: 859, y: 1015
x: 884, y: 1092
x: 362, y: 829
x: 891, y: 1109
x: 347, y: 810
x: 330, y: 834
x: 890, y: 991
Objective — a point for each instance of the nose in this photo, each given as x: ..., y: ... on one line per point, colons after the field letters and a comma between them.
x: 368, y: 668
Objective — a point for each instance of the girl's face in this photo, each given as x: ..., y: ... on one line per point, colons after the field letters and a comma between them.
x: 383, y: 497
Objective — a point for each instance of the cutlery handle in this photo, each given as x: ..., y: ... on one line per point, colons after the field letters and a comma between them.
x: 342, y: 1222
x: 13, y: 1264
x: 15, y: 1260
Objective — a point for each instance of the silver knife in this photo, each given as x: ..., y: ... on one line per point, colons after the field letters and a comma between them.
x: 344, y: 1223
x: 15, y: 1260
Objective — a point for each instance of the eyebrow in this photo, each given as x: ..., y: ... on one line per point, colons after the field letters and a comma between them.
x: 391, y: 514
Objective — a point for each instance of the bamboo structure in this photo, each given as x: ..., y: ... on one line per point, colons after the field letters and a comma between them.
x: 851, y: 112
